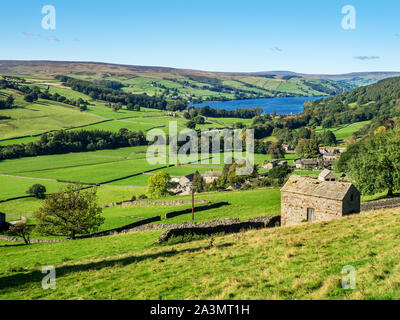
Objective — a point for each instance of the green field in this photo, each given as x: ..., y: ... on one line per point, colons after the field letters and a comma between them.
x: 345, y: 131
x: 42, y: 116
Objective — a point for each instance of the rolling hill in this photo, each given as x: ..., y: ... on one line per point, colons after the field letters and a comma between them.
x: 194, y: 85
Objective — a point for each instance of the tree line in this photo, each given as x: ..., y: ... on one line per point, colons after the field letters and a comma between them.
x: 101, y: 92
x: 61, y: 142
x: 207, y: 111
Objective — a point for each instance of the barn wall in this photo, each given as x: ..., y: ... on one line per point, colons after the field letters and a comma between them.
x: 294, y: 208
x: 349, y: 206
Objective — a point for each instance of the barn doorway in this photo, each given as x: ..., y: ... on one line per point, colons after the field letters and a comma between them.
x: 310, y: 215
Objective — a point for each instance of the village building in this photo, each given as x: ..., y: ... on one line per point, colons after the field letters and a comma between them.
x: 210, y: 176
x: 183, y: 185
x: 330, y: 158
x: 306, y: 199
x: 326, y: 175
x: 270, y: 165
x: 307, y: 164
x: 186, y: 180
x: 287, y: 147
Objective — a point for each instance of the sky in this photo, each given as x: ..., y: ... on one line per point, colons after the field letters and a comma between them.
x: 304, y: 36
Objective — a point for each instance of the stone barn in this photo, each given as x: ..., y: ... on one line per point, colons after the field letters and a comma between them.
x: 307, y: 199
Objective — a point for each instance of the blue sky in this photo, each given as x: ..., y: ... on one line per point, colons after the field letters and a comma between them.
x: 217, y: 35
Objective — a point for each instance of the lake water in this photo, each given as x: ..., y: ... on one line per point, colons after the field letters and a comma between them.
x: 280, y: 105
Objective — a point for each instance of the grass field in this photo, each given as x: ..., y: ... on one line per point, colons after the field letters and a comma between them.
x: 302, y: 262
x: 345, y: 131
x: 42, y: 116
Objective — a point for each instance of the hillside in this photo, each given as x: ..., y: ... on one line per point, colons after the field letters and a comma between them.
x: 190, y: 85
x: 303, y: 262
x: 376, y: 101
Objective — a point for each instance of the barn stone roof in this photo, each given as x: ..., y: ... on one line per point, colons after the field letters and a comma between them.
x: 212, y: 174
x: 325, y: 173
x: 313, y: 187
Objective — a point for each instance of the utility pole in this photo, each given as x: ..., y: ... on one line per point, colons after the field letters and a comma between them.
x: 192, y: 203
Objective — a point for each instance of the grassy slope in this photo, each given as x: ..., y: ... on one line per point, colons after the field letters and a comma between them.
x: 54, y: 116
x: 30, y: 119
x: 345, y: 131
x: 302, y: 262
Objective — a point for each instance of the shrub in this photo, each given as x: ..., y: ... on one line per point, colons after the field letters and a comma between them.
x: 37, y: 190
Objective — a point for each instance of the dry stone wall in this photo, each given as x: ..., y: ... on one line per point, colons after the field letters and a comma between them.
x: 225, y: 226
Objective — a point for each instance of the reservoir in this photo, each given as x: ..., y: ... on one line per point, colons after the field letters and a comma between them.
x: 280, y: 105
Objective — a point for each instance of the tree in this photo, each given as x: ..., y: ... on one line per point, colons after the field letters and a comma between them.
x: 280, y: 173
x: 117, y: 106
x: 10, y: 101
x: 375, y: 165
x: 307, y: 148
x: 37, y: 190
x: 70, y: 212
x: 304, y: 133
x: 159, y: 184
x: 21, y: 229
x: 276, y: 151
x: 191, y: 124
x: 230, y: 176
x: 199, y: 120
x: 31, y: 97
x: 329, y: 138
x: 198, y: 182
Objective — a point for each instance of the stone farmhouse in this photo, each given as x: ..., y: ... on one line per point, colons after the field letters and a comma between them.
x: 270, y: 165
x: 326, y: 175
x: 211, y: 176
x: 186, y: 180
x: 307, y: 164
x: 330, y: 158
x: 331, y: 155
x: 306, y: 199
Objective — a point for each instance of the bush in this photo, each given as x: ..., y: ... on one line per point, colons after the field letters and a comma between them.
x: 142, y: 197
x: 133, y: 198
x: 37, y: 190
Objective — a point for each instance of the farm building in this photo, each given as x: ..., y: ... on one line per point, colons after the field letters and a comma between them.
x: 330, y: 158
x: 307, y: 199
x: 270, y: 165
x: 186, y: 180
x: 307, y: 164
x: 211, y: 176
x: 327, y: 175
